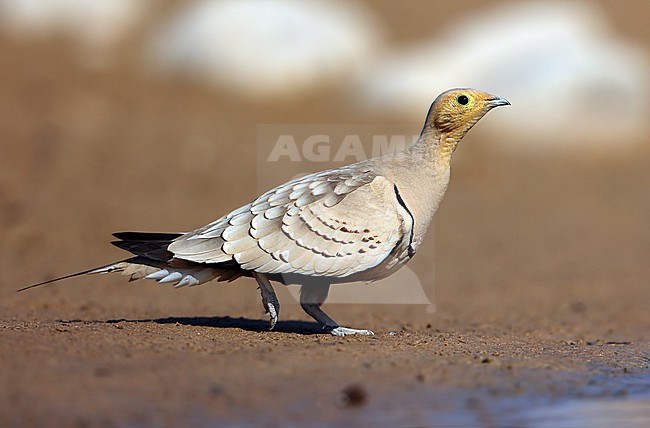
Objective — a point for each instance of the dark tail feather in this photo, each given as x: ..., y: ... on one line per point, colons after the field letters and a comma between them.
x: 146, y: 236
x: 149, y: 245
x: 102, y: 269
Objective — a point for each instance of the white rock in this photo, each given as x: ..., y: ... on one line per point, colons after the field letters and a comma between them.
x: 572, y: 83
x: 265, y: 48
x: 95, y: 25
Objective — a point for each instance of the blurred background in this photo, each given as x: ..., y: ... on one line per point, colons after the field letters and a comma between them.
x: 120, y: 115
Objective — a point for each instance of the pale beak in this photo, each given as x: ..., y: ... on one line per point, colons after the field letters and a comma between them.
x: 497, y: 101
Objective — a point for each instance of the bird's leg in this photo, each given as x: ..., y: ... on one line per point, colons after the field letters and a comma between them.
x: 269, y: 299
x: 312, y: 297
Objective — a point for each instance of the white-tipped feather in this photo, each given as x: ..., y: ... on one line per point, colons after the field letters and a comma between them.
x: 188, y: 280
x: 185, y: 276
x: 158, y: 275
x: 172, y: 277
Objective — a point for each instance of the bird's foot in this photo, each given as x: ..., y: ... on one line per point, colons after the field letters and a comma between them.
x: 273, y: 314
x: 269, y: 299
x: 345, y: 331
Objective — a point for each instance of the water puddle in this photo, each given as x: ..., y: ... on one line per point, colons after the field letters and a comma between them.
x: 622, y: 401
x: 617, y: 402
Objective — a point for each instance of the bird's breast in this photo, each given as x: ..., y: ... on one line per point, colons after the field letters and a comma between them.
x: 422, y: 193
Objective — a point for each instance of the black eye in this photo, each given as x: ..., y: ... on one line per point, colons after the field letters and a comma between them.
x: 462, y: 100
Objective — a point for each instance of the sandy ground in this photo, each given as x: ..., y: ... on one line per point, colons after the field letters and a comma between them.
x: 540, y: 281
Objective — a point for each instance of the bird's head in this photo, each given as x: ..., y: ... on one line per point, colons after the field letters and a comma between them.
x: 455, y: 111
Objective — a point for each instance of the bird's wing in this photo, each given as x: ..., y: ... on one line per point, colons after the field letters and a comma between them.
x: 334, y: 223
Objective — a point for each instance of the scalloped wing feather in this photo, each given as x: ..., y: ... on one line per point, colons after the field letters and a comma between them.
x: 334, y: 223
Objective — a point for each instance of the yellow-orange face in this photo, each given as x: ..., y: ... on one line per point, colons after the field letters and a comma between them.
x: 457, y: 110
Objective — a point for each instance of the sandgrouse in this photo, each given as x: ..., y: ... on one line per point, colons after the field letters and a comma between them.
x: 360, y: 222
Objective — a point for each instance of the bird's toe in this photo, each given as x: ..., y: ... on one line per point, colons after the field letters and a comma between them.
x: 345, y: 331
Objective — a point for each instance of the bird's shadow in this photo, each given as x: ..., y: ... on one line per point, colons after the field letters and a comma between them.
x: 298, y: 327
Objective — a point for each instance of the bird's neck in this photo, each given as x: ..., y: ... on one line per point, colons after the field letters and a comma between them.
x: 436, y: 146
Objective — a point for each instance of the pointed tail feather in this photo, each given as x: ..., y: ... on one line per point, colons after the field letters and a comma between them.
x: 177, y: 273
x: 113, y: 267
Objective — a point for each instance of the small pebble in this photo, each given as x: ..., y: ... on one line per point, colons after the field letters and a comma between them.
x: 353, y: 395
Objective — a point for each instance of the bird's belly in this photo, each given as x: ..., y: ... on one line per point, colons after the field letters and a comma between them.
x: 386, y: 268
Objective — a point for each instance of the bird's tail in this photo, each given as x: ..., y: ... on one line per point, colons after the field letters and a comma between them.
x: 153, y: 261
x: 178, y: 274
